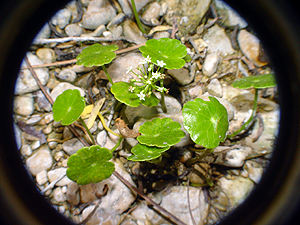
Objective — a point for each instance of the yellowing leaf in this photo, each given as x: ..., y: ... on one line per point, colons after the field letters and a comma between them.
x: 94, y: 113
x: 87, y: 110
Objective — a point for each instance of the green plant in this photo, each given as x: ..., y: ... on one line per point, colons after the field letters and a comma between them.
x: 257, y: 82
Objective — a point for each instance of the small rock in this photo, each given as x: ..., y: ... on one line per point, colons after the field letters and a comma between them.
x: 215, y: 88
x: 189, y: 13
x: 59, y: 89
x: 127, y: 8
x: 41, y: 177
x: 210, y: 64
x: 35, y: 145
x: 42, y: 101
x: 47, y: 55
x: 23, y: 105
x: 45, y: 32
x: 67, y: 75
x: 73, y: 30
x: 218, y: 42
x: 18, y: 137
x: 72, y: 194
x: 81, y: 68
x: 233, y: 158
x: 117, y: 70
x: 182, y: 76
x: 26, y: 150
x: 255, y: 171
x: 56, y: 173
x: 180, y: 207
x: 62, y: 18
x: 162, y: 34
x: 72, y: 146
x: 101, y: 216
x: 131, y: 31
x: 58, y: 195
x: 98, y: 12
x: 96, y: 33
x: 116, y: 21
x: 229, y: 17
x: 117, y: 31
x: 48, y: 118
x: 152, y: 11
x: 108, y: 140
x: 249, y: 45
x: 237, y: 189
x: 25, y: 82
x: 34, y: 119
x: 39, y: 161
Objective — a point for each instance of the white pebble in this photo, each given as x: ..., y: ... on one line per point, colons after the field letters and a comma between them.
x: 210, y: 64
x: 41, y: 177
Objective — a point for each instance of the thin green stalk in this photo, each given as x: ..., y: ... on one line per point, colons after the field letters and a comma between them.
x: 109, y: 79
x: 162, y: 98
x: 117, y: 145
x: 250, y: 119
x: 137, y: 17
x: 198, y: 158
x: 87, y: 130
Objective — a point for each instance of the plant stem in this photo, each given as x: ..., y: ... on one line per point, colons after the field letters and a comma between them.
x: 87, y: 130
x: 109, y: 79
x: 250, y: 119
x: 198, y: 158
x: 106, y: 127
x: 117, y: 145
x: 137, y: 17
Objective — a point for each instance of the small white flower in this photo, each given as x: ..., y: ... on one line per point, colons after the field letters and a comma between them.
x: 141, y: 95
x: 129, y: 69
x: 148, y: 59
x: 148, y: 82
x: 131, y: 89
x: 161, y: 63
x: 156, y: 75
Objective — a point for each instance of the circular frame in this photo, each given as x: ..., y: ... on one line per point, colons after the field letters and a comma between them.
x: 274, y: 201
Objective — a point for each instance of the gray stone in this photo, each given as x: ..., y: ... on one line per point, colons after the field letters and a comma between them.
x: 72, y: 146
x: 42, y: 101
x: 131, y: 31
x: 25, y: 82
x: 116, y: 21
x: 67, y: 75
x: 57, y: 173
x: 34, y: 119
x: 59, y: 89
x: 26, y: 150
x: 47, y: 55
x: 41, y: 177
x: 218, y: 42
x: 72, y: 194
x: 188, y: 13
x: 40, y: 160
x: 210, y: 64
x: 229, y: 17
x: 62, y: 18
x: 215, y: 88
x: 127, y: 8
x: 249, y: 45
x: 23, y: 105
x: 45, y: 32
x: 58, y: 195
x: 98, y: 12
x: 176, y: 203
x: 162, y: 34
x: 18, y: 138
x: 152, y: 11
x: 236, y: 189
x: 233, y: 158
x: 255, y: 171
x: 96, y: 33
x: 182, y: 75
x: 73, y: 30
x: 101, y: 216
x: 117, y: 70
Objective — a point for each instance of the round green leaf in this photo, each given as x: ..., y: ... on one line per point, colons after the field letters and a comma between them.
x: 170, y: 51
x: 145, y: 153
x: 90, y: 165
x: 206, y: 121
x: 68, y: 106
x: 259, y: 81
x: 96, y: 55
x: 160, y: 132
x: 122, y: 94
